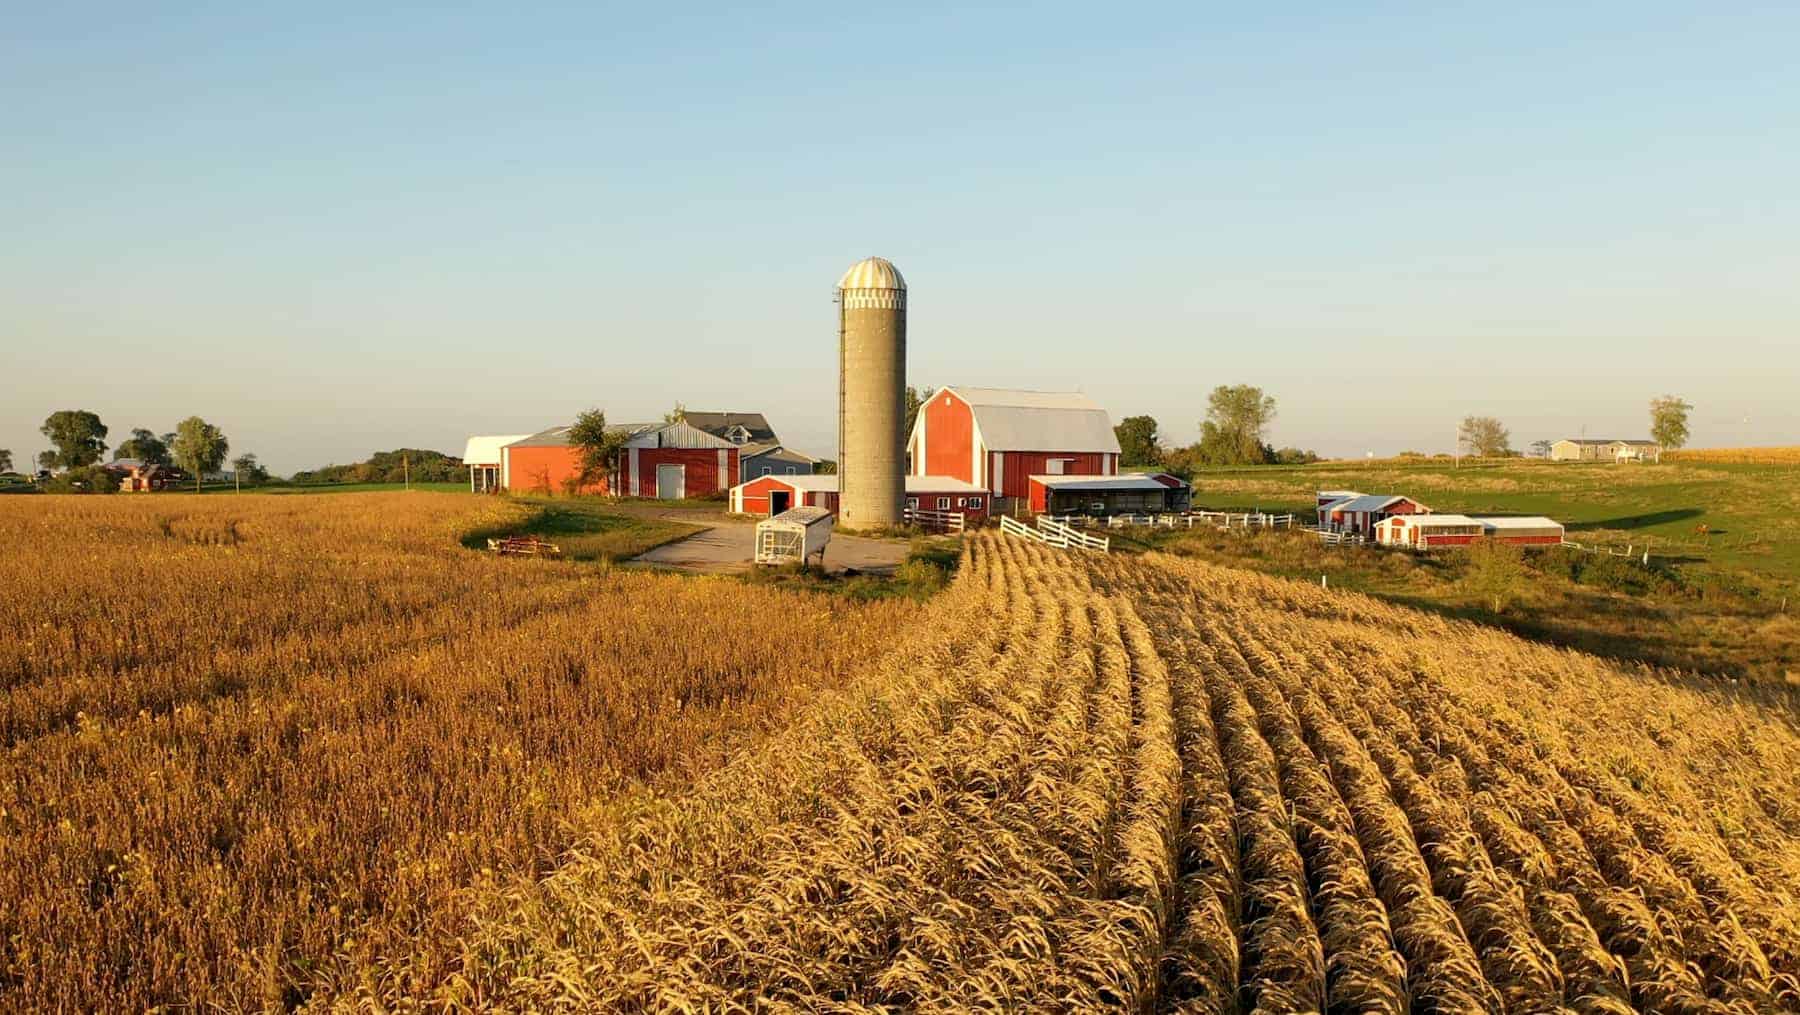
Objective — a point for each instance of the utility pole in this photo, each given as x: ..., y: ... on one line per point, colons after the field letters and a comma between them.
x: 406, y: 471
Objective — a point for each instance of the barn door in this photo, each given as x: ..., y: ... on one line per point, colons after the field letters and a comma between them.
x: 778, y: 501
x: 671, y: 482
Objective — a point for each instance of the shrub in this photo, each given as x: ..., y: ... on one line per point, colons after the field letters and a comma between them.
x: 1496, y: 573
x: 87, y: 479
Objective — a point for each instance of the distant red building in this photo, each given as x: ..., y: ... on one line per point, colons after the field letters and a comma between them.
x: 771, y: 495
x: 668, y: 461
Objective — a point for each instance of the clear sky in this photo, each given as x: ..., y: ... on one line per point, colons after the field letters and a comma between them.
x: 337, y: 227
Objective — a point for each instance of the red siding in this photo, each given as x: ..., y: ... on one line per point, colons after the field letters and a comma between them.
x: 949, y: 438
x: 545, y: 470
x: 701, y: 469
x: 927, y: 500
x: 1021, y: 465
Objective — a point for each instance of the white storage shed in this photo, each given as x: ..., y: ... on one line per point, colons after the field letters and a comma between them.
x: 794, y: 536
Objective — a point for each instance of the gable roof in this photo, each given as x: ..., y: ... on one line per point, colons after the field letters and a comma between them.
x: 719, y: 424
x: 1014, y: 420
x: 1368, y: 502
x: 485, y: 450
x: 775, y: 452
x: 638, y: 435
x: 1429, y: 521
x: 1592, y: 442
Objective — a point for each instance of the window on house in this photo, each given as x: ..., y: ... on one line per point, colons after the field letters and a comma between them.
x: 962, y: 502
x: 765, y: 470
x: 943, y: 503
x: 975, y: 503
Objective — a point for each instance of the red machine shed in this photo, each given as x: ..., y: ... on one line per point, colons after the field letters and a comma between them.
x: 771, y: 495
x: 671, y: 461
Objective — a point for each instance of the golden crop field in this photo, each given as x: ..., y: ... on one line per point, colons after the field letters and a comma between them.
x: 253, y: 743
x: 1737, y: 456
x: 1150, y: 784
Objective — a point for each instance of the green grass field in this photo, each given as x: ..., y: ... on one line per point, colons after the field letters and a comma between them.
x: 1752, y: 512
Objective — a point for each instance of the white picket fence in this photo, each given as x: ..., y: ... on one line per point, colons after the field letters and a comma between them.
x: 936, y: 521
x: 1053, y: 533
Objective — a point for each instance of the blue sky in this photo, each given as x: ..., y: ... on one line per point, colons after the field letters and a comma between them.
x: 352, y: 227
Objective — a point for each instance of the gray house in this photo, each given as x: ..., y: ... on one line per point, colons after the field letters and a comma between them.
x: 772, y: 460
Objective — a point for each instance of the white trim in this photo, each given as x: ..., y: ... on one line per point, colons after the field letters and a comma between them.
x: 919, y: 431
x: 1000, y: 471
x: 632, y: 461
x: 724, y: 472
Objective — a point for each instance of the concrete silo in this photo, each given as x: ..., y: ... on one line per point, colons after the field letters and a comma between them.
x: 871, y: 394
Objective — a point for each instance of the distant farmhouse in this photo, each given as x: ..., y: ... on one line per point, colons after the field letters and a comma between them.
x: 760, y: 452
x: 1583, y: 449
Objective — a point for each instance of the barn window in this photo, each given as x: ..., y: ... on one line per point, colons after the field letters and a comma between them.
x: 913, y: 503
x: 1056, y: 466
x: 975, y: 503
x: 962, y: 502
x: 943, y: 503
x: 765, y: 470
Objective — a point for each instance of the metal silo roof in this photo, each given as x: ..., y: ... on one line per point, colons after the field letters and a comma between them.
x: 873, y: 273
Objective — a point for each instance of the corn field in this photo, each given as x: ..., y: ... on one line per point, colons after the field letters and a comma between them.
x: 1737, y: 456
x: 1089, y: 782
x: 253, y: 744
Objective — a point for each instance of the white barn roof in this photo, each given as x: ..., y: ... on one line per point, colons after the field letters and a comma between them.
x: 1535, y: 522
x: 485, y: 450
x: 1012, y: 420
x: 1430, y: 521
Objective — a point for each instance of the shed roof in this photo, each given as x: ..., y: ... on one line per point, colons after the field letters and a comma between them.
x: 1015, y: 420
x: 941, y: 484
x: 639, y: 435
x: 1605, y: 441
x: 1431, y: 521
x: 775, y: 451
x: 719, y: 424
x: 485, y: 449
x: 1338, y: 494
x: 1368, y: 502
x: 1127, y: 481
x: 802, y: 516
x: 1533, y: 522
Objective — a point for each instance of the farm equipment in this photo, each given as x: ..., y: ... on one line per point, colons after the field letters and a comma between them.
x: 524, y: 546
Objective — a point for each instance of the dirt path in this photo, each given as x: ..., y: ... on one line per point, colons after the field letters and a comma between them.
x: 728, y: 544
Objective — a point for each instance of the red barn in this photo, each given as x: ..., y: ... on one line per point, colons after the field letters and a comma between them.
x: 1361, y: 514
x: 669, y: 461
x: 997, y: 439
x: 771, y: 495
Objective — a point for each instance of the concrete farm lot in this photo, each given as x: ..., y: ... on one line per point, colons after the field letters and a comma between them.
x: 1069, y: 781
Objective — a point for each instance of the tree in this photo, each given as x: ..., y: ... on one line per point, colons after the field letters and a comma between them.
x: 1137, y: 441
x: 84, y: 479
x: 1296, y: 456
x: 1232, y: 434
x: 599, y: 445
x: 246, y: 466
x: 144, y: 446
x: 675, y: 415
x: 1496, y: 572
x: 1483, y: 437
x: 825, y: 467
x: 915, y: 398
x: 46, y: 460
x: 5, y: 460
x: 199, y: 447
x: 1669, y: 421
x: 1541, y: 449
x: 79, y: 436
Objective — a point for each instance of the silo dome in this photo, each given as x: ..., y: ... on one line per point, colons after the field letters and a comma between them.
x: 872, y: 273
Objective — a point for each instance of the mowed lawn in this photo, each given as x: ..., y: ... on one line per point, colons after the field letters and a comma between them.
x: 1751, y: 512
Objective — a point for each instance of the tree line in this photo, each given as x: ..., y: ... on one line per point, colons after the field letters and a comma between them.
x: 1234, y: 432
x: 1488, y: 437
x: 78, y: 448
